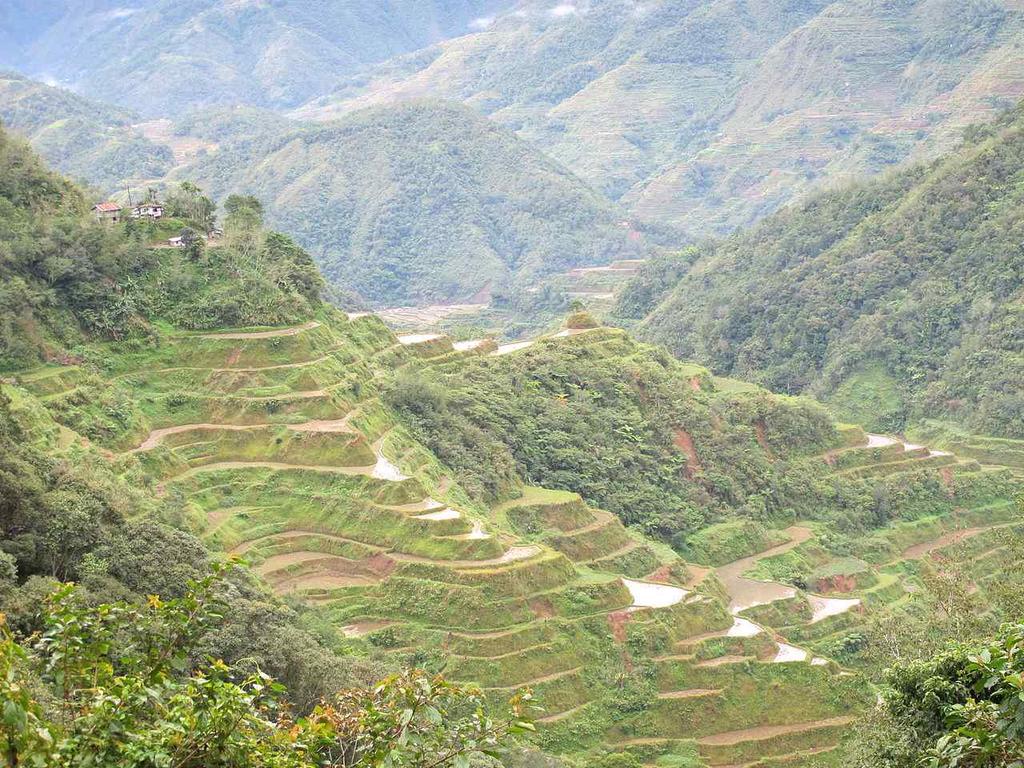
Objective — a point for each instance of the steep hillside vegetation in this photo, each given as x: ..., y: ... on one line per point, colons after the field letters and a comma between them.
x: 684, y: 568
x: 65, y: 278
x: 163, y: 57
x: 84, y: 139
x: 898, y: 300
x: 415, y: 203
x: 711, y: 114
x: 174, y: 650
x: 274, y: 444
x: 422, y: 202
x: 66, y: 511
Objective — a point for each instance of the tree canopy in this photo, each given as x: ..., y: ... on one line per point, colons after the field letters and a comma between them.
x: 118, y: 684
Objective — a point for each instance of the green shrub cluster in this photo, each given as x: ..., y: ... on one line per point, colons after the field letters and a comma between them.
x: 602, y: 418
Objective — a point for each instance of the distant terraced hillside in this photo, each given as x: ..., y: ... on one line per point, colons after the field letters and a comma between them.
x: 84, y: 139
x: 281, y: 446
x: 710, y: 115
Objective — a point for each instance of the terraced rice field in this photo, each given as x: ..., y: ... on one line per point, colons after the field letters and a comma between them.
x: 283, y: 455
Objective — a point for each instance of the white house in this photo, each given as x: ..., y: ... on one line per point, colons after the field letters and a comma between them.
x: 148, y: 211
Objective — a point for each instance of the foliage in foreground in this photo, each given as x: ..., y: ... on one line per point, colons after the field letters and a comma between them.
x: 962, y: 708
x: 114, y: 684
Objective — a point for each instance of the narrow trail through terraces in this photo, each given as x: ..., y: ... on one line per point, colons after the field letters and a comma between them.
x: 761, y: 732
x: 294, y: 331
x: 157, y: 435
x: 919, y: 551
x: 293, y: 533
x: 786, y: 759
x: 537, y: 681
x: 256, y: 369
x: 562, y: 715
x: 691, y: 693
x: 509, y: 556
x: 277, y: 465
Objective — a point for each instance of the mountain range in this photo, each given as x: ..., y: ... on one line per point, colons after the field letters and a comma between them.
x: 709, y: 115
x: 588, y: 130
x: 162, y: 57
x: 418, y: 202
x: 88, y: 140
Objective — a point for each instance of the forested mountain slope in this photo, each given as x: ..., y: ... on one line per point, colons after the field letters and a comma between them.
x: 579, y: 514
x: 166, y: 56
x: 712, y: 114
x: 64, y: 277
x: 84, y: 139
x: 419, y: 202
x: 897, y: 300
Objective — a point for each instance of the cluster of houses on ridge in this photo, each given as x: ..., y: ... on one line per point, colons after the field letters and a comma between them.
x: 113, y: 213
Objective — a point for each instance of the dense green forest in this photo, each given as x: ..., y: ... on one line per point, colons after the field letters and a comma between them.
x: 961, y: 706
x: 615, y: 421
x: 895, y: 300
x: 415, y: 203
x: 601, y: 420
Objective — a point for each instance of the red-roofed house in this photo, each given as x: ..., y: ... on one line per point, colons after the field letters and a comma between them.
x: 109, y: 213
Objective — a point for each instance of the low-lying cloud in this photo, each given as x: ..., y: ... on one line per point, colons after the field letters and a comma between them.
x: 564, y: 9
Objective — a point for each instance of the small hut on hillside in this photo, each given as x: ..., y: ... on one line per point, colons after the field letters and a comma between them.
x: 108, y: 212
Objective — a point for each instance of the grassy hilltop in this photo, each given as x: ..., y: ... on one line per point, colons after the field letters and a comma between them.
x: 579, y: 514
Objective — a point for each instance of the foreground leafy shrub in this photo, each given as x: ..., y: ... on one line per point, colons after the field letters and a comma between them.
x: 118, y: 684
